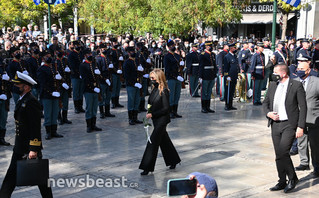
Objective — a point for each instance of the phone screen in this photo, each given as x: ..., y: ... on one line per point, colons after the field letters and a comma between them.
x: 181, y: 187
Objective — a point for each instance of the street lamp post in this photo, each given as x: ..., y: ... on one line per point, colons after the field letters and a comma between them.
x: 274, y: 23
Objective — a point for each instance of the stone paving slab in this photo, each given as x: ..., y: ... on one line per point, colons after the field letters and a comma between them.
x: 234, y: 147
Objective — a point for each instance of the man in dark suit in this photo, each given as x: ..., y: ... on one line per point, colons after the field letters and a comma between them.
x: 286, y: 109
x: 310, y: 84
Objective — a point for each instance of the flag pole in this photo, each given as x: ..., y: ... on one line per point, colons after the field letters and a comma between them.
x: 49, y: 20
x: 274, y: 23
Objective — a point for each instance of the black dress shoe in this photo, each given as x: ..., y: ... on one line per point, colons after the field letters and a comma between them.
x: 227, y: 108
x: 233, y: 108
x: 144, y: 173
x: 291, y: 184
x: 315, y: 174
x: 172, y: 166
x: 56, y: 135
x: 302, y: 167
x: 278, y: 186
x: 3, y: 142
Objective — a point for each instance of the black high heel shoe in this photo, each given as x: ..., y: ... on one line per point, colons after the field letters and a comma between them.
x: 172, y: 166
x: 144, y: 172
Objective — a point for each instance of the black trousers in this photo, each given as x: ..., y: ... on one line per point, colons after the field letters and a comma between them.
x: 232, y: 87
x: 9, y: 182
x: 313, y: 137
x: 283, y: 136
x: 159, y: 138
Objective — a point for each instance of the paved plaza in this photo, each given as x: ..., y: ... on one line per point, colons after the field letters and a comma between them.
x: 234, y: 147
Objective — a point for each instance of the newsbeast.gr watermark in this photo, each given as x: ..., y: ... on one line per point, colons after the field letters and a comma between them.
x: 88, y: 182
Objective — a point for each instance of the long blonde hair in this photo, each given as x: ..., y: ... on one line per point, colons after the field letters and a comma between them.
x: 161, y: 79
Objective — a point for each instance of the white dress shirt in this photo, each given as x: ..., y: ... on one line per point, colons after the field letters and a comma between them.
x: 279, y: 100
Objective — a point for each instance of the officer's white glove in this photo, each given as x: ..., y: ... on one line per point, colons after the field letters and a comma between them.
x: 228, y: 78
x: 56, y: 94
x: 111, y: 66
x: 138, y: 85
x: 80, y: 77
x: 96, y: 90
x: 119, y: 71
x: 97, y: 71
x: 3, y: 97
x: 148, y: 60
x: 65, y: 86
x: 121, y: 58
x: 25, y: 72
x: 58, y: 77
x: 5, y: 77
x: 140, y: 68
x: 200, y: 80
x: 146, y: 75
x: 67, y: 69
x: 182, y: 63
x: 108, y: 82
x: 179, y: 78
x: 42, y: 63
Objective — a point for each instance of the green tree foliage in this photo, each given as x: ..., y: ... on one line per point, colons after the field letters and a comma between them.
x: 21, y: 12
x: 157, y: 16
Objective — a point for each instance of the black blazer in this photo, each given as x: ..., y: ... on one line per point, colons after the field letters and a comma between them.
x: 295, y: 103
x: 160, y: 108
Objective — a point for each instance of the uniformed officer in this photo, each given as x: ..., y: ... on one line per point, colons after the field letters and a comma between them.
x: 305, y: 50
x: 315, y: 56
x: 75, y: 59
x: 142, y: 56
x: 231, y: 70
x: 5, y: 96
x: 171, y: 64
x: 279, y: 55
x: 28, y: 141
x: 257, y: 70
x: 133, y: 85
x: 90, y: 73
x: 207, y: 75
x: 220, y: 65
x: 268, y: 63
x: 116, y: 59
x: 34, y: 63
x: 49, y: 80
x: 17, y: 64
x: 65, y: 89
x: 192, y: 64
x: 105, y: 82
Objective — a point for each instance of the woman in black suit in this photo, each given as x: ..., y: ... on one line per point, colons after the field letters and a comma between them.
x: 159, y: 111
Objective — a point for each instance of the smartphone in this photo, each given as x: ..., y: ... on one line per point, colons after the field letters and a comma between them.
x: 177, y: 187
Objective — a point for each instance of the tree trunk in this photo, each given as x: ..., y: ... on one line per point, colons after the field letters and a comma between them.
x: 284, y: 25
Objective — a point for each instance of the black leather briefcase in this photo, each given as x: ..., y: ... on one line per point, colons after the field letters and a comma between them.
x: 32, y: 172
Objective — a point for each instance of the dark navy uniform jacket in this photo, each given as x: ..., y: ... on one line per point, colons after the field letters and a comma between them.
x: 171, y: 64
x: 280, y: 57
x: 130, y: 71
x: 304, y: 52
x: 66, y: 76
x: 102, y: 63
x: 114, y: 55
x: 34, y: 64
x: 192, y: 63
x: 231, y: 66
x: 315, y: 58
x: 75, y: 60
x: 5, y: 86
x: 257, y: 68
x: 88, y: 76
x: 207, y: 66
x: 27, y: 116
x: 48, y: 83
x: 220, y: 61
x: 245, y: 59
x: 12, y: 69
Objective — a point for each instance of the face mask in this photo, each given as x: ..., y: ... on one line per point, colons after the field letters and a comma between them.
x: 173, y: 49
x: 18, y: 56
x: 275, y: 77
x: 20, y: 91
x: 60, y: 54
x: 133, y: 54
x: 301, y: 74
x: 153, y: 46
x: 104, y: 52
x: 186, y: 45
x: 210, y: 49
x: 78, y: 48
x: 154, y: 83
x: 72, y: 48
x: 90, y: 58
x: 48, y: 60
x: 159, y: 46
x: 36, y: 51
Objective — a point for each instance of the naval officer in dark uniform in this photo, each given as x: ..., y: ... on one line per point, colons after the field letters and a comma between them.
x: 231, y: 70
x: 315, y: 56
x: 192, y: 65
x: 28, y: 142
x: 207, y: 75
